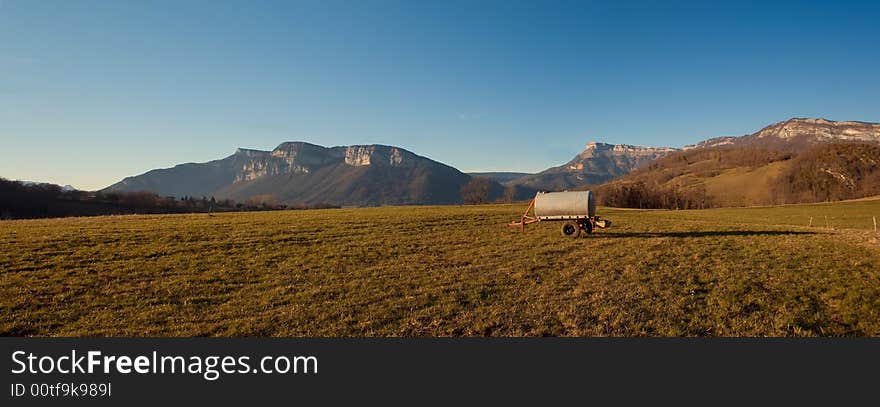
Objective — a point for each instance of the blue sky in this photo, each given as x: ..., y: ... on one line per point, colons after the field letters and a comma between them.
x: 93, y: 91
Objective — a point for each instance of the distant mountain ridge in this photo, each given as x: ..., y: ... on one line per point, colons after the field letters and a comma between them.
x: 599, y: 162
x: 65, y: 188
x: 500, y: 176
x: 300, y: 172
x: 798, y: 134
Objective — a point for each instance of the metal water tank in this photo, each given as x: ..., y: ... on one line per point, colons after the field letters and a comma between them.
x: 565, y: 205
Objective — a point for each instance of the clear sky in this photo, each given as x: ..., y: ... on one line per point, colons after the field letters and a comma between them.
x: 93, y: 91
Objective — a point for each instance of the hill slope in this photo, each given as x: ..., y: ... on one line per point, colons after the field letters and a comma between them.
x: 794, y: 161
x: 746, y: 176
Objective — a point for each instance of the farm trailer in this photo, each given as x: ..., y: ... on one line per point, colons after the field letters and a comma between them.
x: 576, y: 208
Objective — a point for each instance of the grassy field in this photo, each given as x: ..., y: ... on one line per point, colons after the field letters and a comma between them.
x: 444, y: 271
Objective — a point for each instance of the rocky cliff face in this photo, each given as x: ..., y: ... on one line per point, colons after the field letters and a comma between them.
x: 302, y: 158
x: 821, y: 131
x: 800, y: 133
x: 287, y: 158
x: 622, y: 157
x: 599, y: 162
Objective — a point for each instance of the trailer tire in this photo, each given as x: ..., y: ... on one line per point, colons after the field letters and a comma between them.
x: 588, y: 226
x: 571, y: 229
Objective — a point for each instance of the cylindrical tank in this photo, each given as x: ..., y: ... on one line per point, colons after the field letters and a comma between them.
x: 565, y: 205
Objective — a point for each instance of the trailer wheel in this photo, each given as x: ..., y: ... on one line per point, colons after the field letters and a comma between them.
x: 588, y: 226
x: 571, y: 229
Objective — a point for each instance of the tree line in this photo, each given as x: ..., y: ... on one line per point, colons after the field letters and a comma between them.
x: 481, y: 190
x: 642, y: 195
x: 23, y: 201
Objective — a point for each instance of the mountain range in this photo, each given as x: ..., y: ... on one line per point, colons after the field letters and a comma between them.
x: 304, y: 173
x: 64, y: 188
x: 364, y: 175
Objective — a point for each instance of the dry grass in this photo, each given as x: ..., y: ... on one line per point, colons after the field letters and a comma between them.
x: 443, y: 271
x: 744, y: 186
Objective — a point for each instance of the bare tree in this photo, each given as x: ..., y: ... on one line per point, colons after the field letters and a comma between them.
x: 476, y: 191
x: 264, y: 201
x: 509, y: 194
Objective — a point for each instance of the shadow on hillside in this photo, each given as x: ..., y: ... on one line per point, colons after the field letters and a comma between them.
x: 709, y: 233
